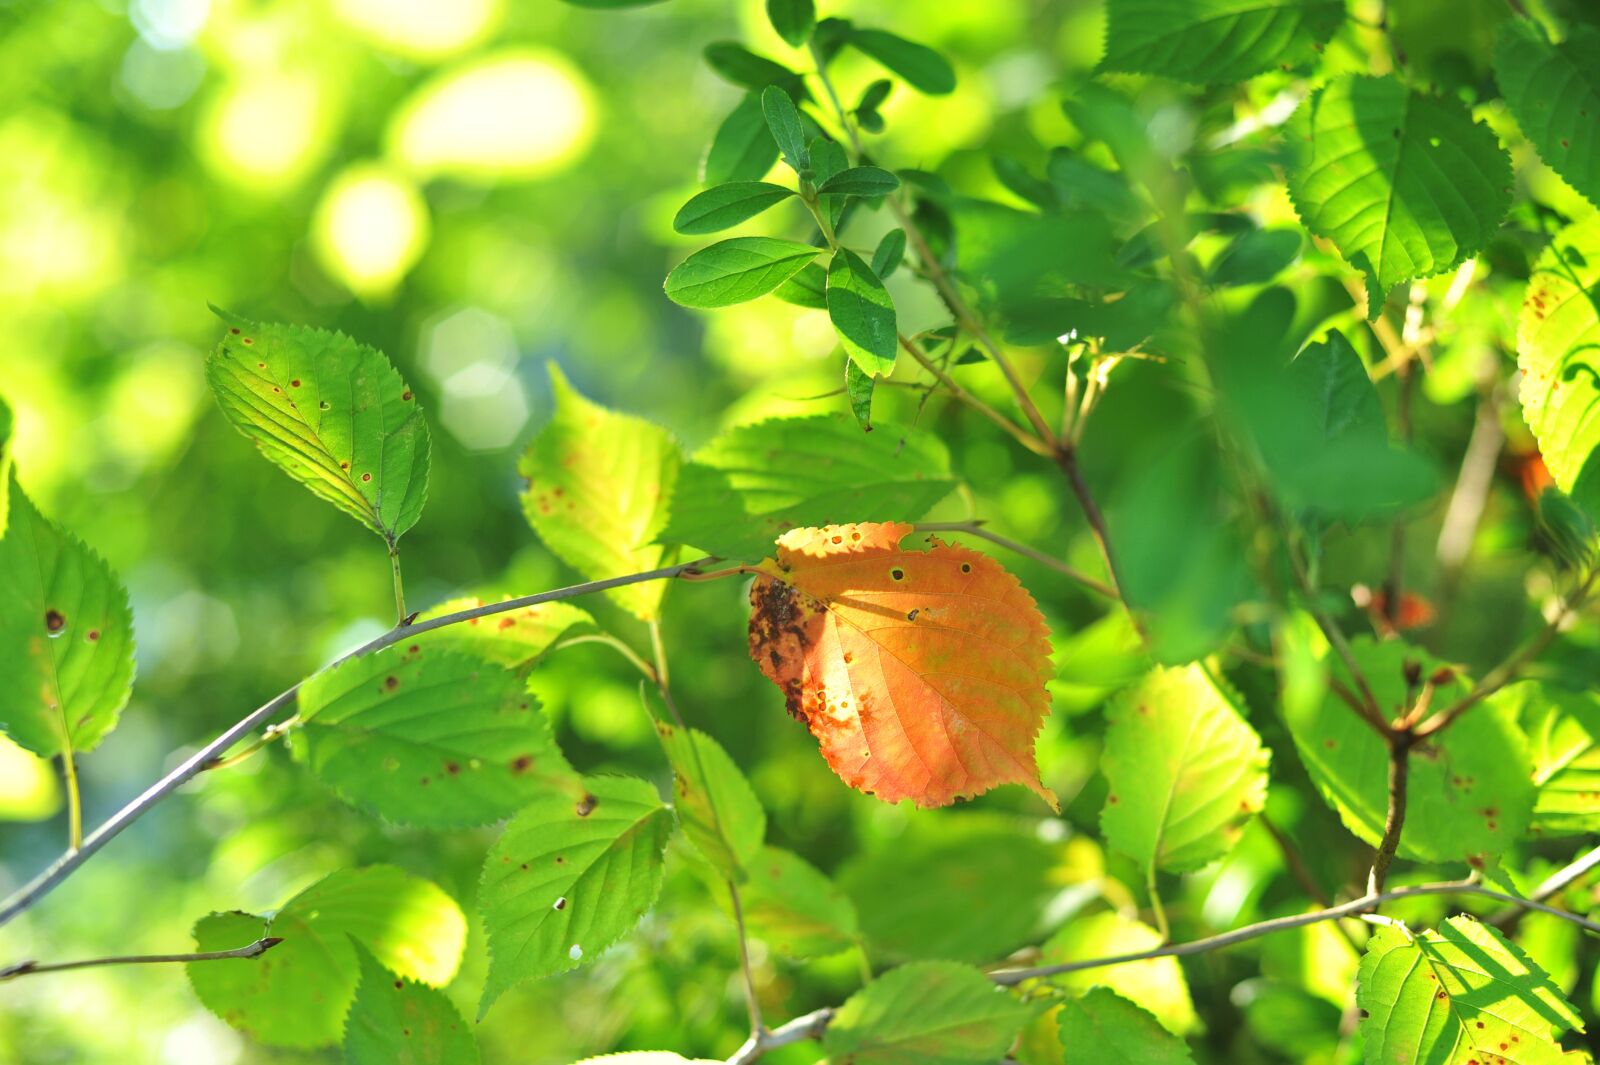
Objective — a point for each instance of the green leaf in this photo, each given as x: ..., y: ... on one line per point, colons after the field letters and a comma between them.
x: 1157, y: 984
x: 1256, y: 257
x: 744, y: 68
x: 753, y: 483
x: 296, y: 994
x: 331, y: 413
x: 794, y: 909
x: 736, y: 270
x: 860, y: 181
x: 1553, y: 90
x: 1213, y: 41
x: 1457, y: 994
x: 1558, y: 351
x: 607, y: 5
x: 6, y: 426
x: 568, y: 878
x: 808, y: 288
x: 784, y: 122
x: 1469, y: 791
x: 66, y: 636
x: 394, y: 1021
x: 921, y: 67
x: 926, y: 1013
x: 967, y: 888
x: 1103, y: 1026
x: 873, y: 96
x: 646, y: 1057
x: 599, y: 485
x: 515, y: 639
x: 1405, y: 184
x: 862, y: 313
x: 743, y: 148
x: 1563, y: 729
x: 890, y: 253
x: 1186, y: 770
x: 1096, y: 660
x: 859, y: 386
x: 716, y: 806
x: 793, y: 19
x: 423, y: 736
x: 727, y: 205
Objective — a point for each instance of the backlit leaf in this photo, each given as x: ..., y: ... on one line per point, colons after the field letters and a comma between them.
x: 794, y: 909
x: 394, y: 1021
x: 716, y: 806
x: 1211, y: 41
x: 1186, y: 770
x: 889, y: 254
x: 808, y: 288
x: 722, y: 206
x: 921, y: 67
x: 1157, y: 984
x: 1558, y: 350
x: 921, y: 673
x: 332, y: 413
x: 599, y: 483
x: 1405, y: 184
x: 569, y: 877
x: 858, y: 386
x: 860, y: 181
x: 1103, y: 1026
x: 862, y: 313
x: 793, y: 19
x: 1469, y: 791
x: 743, y: 148
x: 1563, y: 729
x: 515, y: 639
x: 7, y: 424
x: 1458, y: 994
x: 66, y: 635
x: 736, y: 270
x: 297, y: 993
x: 926, y: 1013
x: 744, y: 68
x: 755, y: 482
x: 1553, y: 90
x: 784, y: 122
x: 425, y: 736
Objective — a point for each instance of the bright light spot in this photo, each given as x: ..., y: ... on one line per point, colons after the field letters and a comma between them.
x: 575, y: 953
x: 265, y: 130
x: 484, y: 407
x: 201, y: 1037
x: 169, y: 23
x: 370, y: 229
x: 515, y: 115
x: 28, y: 789
x: 161, y: 79
x: 465, y: 338
x: 421, y: 29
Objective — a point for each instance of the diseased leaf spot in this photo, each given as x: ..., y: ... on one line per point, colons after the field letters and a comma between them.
x: 586, y: 805
x: 898, y: 574
x: 54, y: 621
x: 366, y: 477
x: 391, y: 682
x: 522, y: 763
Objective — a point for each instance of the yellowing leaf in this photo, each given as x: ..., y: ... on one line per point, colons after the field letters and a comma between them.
x: 921, y: 673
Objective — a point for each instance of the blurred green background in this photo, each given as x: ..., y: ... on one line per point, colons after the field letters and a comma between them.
x: 479, y: 187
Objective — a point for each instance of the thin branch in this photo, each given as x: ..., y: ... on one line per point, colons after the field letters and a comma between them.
x: 961, y: 395
x: 1066, y: 457
x: 1553, y: 884
x: 30, y: 968
x: 273, y: 708
x: 1508, y: 670
x: 974, y: 528
x: 1394, y: 821
x: 1367, y: 705
x: 1298, y: 868
x: 813, y: 1024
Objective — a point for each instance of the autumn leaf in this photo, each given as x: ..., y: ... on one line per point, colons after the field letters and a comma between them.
x: 921, y: 673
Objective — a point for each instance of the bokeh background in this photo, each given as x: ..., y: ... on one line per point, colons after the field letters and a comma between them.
x: 479, y: 187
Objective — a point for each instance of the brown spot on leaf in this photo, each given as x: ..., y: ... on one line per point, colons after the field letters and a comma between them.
x: 54, y: 620
x: 586, y: 805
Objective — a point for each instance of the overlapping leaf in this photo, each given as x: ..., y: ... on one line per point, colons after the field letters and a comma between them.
x: 1458, y: 994
x: 599, y: 484
x: 716, y: 806
x: 743, y: 148
x: 515, y: 639
x: 755, y: 482
x: 1553, y: 90
x: 793, y: 908
x: 736, y: 270
x: 297, y: 993
x: 1101, y: 1025
x: 425, y: 736
x: 332, y: 413
x: 394, y: 1021
x: 926, y: 1013
x: 572, y: 872
x: 1470, y: 792
x: 1187, y: 772
x: 920, y: 673
x: 66, y: 635
x: 1563, y: 729
x: 1558, y: 350
x: 862, y: 312
x: 1211, y: 41
x: 1157, y: 984
x: 1405, y: 184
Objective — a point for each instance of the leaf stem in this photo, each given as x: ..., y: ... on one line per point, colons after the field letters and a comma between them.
x: 1157, y: 910
x: 975, y: 528
x: 399, y: 585
x: 31, y: 968
x: 69, y: 771
x: 68, y: 863
x: 961, y: 395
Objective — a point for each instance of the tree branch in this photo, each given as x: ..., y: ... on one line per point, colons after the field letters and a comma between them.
x: 1400, y: 742
x: 30, y: 968
x: 64, y: 866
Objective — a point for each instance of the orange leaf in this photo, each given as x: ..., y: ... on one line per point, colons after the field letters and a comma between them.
x: 921, y: 673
